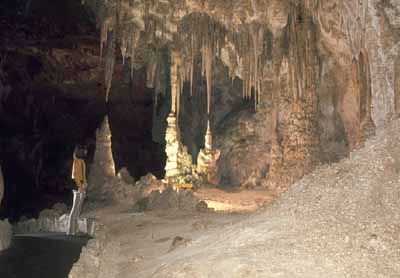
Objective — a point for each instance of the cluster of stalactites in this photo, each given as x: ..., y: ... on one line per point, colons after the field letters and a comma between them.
x: 119, y: 29
x: 201, y: 35
x: 250, y: 45
x: 302, y: 54
x: 198, y: 35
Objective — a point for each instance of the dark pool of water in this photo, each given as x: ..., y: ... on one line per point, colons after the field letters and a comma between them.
x: 41, y: 256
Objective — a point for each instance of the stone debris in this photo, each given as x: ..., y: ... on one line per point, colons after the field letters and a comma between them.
x: 169, y: 199
x: 179, y: 242
x: 124, y: 175
x: 53, y: 220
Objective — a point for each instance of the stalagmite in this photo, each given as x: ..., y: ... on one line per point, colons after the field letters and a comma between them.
x: 207, y: 160
x: 178, y: 160
x: 103, y: 167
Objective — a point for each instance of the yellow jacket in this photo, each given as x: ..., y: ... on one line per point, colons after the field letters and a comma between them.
x: 79, y: 172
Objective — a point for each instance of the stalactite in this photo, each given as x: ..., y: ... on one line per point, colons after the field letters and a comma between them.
x: 208, y: 58
x: 109, y: 35
x: 206, y: 37
x: 109, y: 63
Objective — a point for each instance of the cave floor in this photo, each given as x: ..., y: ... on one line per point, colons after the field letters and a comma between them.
x: 140, y: 239
x: 48, y: 255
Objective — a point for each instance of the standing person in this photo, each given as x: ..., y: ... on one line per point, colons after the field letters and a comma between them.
x: 79, y: 177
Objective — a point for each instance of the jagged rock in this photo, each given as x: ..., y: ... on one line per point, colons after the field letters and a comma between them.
x: 172, y: 199
x: 60, y: 208
x: 56, y: 211
x: 124, y: 175
x: 148, y: 184
x: 202, y: 207
x: 49, y: 222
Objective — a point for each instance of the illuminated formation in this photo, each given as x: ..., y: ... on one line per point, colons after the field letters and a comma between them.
x: 179, y: 162
x: 207, y: 160
x: 103, y: 167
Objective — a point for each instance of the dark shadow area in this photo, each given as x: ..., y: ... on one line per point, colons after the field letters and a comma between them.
x: 41, y: 256
x: 37, y: 139
x: 52, y: 98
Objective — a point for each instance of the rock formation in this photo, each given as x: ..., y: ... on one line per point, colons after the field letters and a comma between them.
x: 306, y: 63
x: 207, y: 160
x: 103, y: 167
x: 179, y: 162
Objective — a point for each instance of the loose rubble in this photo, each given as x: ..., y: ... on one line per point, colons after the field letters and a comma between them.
x: 53, y: 220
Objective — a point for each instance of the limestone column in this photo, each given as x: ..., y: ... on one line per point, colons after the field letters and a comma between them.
x: 172, y: 136
x: 103, y: 166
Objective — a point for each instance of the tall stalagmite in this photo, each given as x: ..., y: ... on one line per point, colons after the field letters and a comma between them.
x: 103, y: 167
x: 178, y: 160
